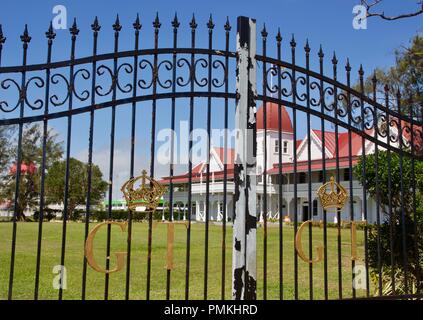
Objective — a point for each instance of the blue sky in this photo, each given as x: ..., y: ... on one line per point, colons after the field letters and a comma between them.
x: 326, y: 22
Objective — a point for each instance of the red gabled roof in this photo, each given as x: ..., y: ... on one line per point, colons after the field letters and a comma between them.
x: 197, y: 177
x: 230, y: 156
x: 343, y: 142
x: 297, y: 144
x: 329, y: 139
x: 197, y: 170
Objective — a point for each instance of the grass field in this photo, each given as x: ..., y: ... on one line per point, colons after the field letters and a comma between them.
x: 26, y: 249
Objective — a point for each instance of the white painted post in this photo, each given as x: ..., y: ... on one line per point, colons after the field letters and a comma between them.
x: 244, y: 265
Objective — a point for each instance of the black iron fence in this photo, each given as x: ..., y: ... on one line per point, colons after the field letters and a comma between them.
x: 264, y: 164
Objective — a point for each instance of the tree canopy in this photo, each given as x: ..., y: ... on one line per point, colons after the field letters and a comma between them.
x: 31, y: 157
x: 78, y: 184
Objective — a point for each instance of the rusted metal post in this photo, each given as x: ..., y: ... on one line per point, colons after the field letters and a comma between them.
x: 244, y: 264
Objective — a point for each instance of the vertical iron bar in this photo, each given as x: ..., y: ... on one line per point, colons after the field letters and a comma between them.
x: 156, y: 25
x: 310, y: 201
x: 95, y: 28
x: 175, y: 25
x: 363, y: 150
x: 280, y: 197
x: 245, y: 219
x: 376, y: 128
x: 350, y: 167
x: 50, y: 37
x: 322, y: 124
x: 74, y: 32
x: 294, y: 148
x: 338, y: 211
x: 193, y: 26
x: 137, y: 28
x: 392, y: 218
x: 210, y: 27
x: 264, y: 37
x: 401, y: 164
x: 225, y: 158
x: 25, y: 38
x: 117, y: 28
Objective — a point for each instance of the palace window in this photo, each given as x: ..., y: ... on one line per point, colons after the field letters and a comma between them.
x: 276, y: 146
x: 285, y: 146
x: 302, y: 177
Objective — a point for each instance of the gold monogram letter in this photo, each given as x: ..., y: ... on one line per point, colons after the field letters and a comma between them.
x: 89, y: 249
x: 299, y: 246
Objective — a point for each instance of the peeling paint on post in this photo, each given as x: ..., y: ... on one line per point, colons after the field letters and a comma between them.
x: 244, y: 266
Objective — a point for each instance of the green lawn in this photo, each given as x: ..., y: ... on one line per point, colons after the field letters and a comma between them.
x: 26, y: 247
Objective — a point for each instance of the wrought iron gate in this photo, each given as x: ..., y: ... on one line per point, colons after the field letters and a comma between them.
x: 234, y: 80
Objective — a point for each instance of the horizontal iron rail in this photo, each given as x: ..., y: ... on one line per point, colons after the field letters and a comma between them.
x: 111, y: 56
x: 158, y: 96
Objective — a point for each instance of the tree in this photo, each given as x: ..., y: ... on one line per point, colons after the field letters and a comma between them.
x: 31, y: 164
x: 401, y: 202
x: 78, y: 184
x: 374, y: 3
x: 405, y: 77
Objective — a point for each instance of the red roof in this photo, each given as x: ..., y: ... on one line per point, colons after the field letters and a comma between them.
x: 343, y: 142
x: 415, y: 138
x: 197, y: 170
x: 197, y: 177
x: 302, y: 166
x: 25, y: 168
x: 230, y: 156
x: 297, y: 144
x: 272, y: 118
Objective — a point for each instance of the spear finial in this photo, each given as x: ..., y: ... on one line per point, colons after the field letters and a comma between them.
x: 25, y: 38
x: 321, y: 53
x: 279, y: 36
x: 50, y: 34
x: 227, y: 25
x: 156, y: 22
x: 96, y: 25
x: 2, y: 37
x: 293, y: 43
x: 175, y: 22
x: 74, y: 29
x: 117, y: 26
x: 137, y: 25
x: 193, y: 24
x: 210, y: 23
x: 264, y: 31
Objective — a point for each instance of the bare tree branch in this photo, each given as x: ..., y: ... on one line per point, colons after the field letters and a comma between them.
x: 382, y: 15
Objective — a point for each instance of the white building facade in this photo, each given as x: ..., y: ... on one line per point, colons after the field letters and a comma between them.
x: 334, y: 145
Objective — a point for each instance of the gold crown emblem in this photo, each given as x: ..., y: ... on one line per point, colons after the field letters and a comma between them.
x: 142, y: 191
x: 335, y: 198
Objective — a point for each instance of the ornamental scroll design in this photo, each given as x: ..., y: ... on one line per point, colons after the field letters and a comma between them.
x: 77, y: 80
x: 344, y: 106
